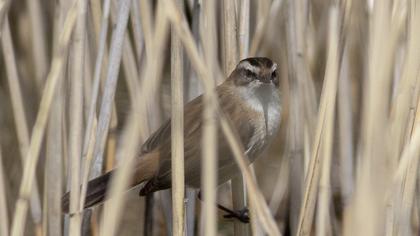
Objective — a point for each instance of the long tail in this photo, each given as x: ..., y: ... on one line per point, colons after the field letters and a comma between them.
x: 96, y: 188
x: 95, y: 193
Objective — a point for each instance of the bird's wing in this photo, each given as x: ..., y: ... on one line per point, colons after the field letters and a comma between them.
x: 159, y: 137
x: 192, y: 139
x: 162, y: 137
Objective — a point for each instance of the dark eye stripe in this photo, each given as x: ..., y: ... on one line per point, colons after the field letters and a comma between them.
x: 250, y: 73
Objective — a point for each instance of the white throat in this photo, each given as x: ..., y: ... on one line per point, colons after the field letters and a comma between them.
x: 264, y: 98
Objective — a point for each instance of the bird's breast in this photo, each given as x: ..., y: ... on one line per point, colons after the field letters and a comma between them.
x: 267, y: 106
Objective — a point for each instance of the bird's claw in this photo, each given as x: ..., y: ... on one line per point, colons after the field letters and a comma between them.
x: 241, y: 215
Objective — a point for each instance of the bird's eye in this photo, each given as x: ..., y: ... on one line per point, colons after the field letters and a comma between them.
x: 274, y: 74
x: 250, y: 74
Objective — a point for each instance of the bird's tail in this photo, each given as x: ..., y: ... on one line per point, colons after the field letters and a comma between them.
x: 145, y: 169
x: 95, y: 193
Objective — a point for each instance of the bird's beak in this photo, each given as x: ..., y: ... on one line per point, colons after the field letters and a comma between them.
x: 266, y: 80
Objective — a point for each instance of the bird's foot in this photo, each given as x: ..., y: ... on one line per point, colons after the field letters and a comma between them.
x: 242, y: 215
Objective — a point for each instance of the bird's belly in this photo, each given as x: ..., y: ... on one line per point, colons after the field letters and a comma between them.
x: 228, y: 169
x: 224, y: 174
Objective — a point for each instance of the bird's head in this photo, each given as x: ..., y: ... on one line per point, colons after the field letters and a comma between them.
x: 255, y: 72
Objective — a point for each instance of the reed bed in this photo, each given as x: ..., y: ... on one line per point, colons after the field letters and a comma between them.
x: 83, y: 83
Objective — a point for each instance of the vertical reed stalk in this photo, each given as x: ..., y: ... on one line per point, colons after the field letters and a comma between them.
x: 39, y: 42
x: 230, y: 58
x: 192, y: 89
x: 243, y: 32
x: 147, y: 24
x: 321, y: 149
x: 4, y: 218
x: 111, y: 79
x: 90, y: 133
x: 137, y: 32
x: 76, y: 121
x: 177, y: 132
x: 128, y: 61
x: 331, y: 78
x: 376, y: 164
x: 262, y: 24
x: 53, y: 187
x: 401, y: 116
x: 4, y: 8
x: 209, y: 138
x: 345, y: 128
x: 298, y: 77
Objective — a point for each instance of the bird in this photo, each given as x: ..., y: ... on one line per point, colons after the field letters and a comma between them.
x: 250, y: 99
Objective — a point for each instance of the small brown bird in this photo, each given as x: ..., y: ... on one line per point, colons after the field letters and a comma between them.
x: 249, y: 97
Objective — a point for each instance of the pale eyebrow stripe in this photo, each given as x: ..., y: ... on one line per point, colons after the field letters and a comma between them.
x: 247, y: 66
x: 274, y: 67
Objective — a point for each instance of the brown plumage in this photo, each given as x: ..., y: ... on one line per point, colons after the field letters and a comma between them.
x: 249, y: 99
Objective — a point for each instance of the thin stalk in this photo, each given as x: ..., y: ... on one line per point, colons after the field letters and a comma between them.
x: 4, y: 8
x: 404, y: 92
x: 4, y: 219
x: 209, y: 136
x: 376, y: 163
x: 345, y: 129
x: 262, y: 25
x: 177, y: 132
x: 238, y: 185
x: 324, y: 125
x: 230, y: 42
x: 128, y: 59
x: 331, y: 80
x: 302, y: 102
x: 404, y: 181
x: 90, y: 133
x: 243, y: 32
x: 39, y: 42
x: 76, y: 118
x: 111, y: 81
x: 137, y: 32
x: 230, y: 49
x: 54, y: 168
x: 147, y: 24
x: 61, y: 13
x: 192, y: 89
x: 409, y: 79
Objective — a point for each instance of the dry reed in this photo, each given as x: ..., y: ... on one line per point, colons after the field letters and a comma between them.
x: 76, y: 117
x: 177, y: 126
x: 4, y: 223
x: 209, y: 140
x: 230, y: 47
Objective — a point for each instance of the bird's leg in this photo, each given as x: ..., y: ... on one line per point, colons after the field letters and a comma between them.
x: 242, y: 215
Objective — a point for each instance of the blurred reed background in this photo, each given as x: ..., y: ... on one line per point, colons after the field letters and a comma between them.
x: 83, y: 83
